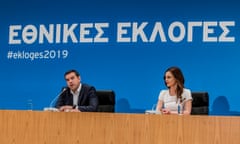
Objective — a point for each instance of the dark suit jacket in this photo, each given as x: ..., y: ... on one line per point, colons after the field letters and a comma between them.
x: 87, y: 100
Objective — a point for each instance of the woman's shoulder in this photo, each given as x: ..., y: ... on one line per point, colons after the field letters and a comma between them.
x: 187, y: 93
x: 164, y: 91
x: 186, y: 90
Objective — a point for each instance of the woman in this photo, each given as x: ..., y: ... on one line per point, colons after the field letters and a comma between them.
x: 176, y: 99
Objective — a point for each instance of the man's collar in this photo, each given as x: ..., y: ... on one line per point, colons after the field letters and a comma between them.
x: 78, y: 89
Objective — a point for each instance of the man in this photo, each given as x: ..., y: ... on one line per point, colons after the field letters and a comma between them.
x: 77, y: 97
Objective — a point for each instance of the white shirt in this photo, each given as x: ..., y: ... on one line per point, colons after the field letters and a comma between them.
x: 76, y: 95
x: 171, y: 102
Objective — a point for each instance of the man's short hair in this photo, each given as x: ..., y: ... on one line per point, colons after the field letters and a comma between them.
x: 70, y: 71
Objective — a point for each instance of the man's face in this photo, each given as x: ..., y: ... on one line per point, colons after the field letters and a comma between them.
x: 73, y: 81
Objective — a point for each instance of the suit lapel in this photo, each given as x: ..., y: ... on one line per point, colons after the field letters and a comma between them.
x: 80, y: 97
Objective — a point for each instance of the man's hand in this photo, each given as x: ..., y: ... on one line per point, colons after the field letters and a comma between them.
x: 68, y: 108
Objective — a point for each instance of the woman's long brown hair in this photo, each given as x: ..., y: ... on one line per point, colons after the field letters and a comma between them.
x: 178, y: 75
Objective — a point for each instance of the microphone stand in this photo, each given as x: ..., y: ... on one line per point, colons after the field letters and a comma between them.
x: 51, y: 108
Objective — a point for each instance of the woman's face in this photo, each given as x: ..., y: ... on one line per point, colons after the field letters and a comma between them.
x: 170, y: 79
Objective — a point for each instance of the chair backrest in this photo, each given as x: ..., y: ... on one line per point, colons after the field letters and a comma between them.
x: 200, y: 103
x: 106, y: 99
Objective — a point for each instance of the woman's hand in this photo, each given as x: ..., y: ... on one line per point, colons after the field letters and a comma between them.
x: 166, y: 111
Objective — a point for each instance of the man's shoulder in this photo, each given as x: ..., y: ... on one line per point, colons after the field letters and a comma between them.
x: 87, y: 86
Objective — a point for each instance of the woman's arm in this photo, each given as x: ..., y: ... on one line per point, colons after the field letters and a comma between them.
x: 159, y: 105
x: 187, y: 107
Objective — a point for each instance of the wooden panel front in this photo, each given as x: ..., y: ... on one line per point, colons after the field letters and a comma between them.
x: 35, y: 127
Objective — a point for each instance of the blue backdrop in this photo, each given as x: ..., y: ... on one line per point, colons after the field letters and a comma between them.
x: 122, y: 45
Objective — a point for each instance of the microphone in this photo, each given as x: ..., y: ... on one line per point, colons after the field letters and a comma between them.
x: 63, y: 90
x: 51, y: 107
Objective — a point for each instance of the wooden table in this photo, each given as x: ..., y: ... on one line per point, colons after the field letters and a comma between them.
x: 39, y: 127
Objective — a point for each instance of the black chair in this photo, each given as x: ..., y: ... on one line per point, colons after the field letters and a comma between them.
x: 200, y: 103
x: 106, y: 99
